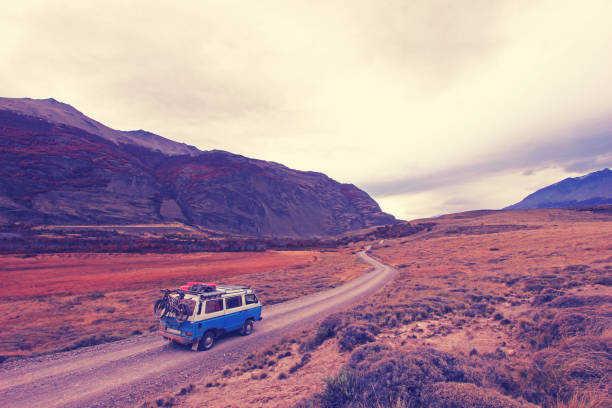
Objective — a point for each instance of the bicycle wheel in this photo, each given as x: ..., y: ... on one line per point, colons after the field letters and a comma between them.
x: 182, y: 313
x: 160, y: 309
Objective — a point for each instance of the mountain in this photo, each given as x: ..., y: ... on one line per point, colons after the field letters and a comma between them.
x: 58, y: 113
x: 592, y: 189
x: 57, y: 166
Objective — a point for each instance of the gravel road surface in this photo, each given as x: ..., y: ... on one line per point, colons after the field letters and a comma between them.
x: 127, y: 372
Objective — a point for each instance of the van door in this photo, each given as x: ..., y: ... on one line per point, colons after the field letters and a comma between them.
x: 212, y: 317
x: 234, y: 312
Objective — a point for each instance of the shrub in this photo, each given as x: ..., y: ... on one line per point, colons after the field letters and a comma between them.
x: 377, y: 375
x: 578, y: 301
x: 586, y: 400
x: 165, y: 402
x: 339, y: 390
x: 538, y: 283
x: 546, y: 296
x: 578, y: 364
x: 391, y: 312
x: 355, y: 335
x: 502, y: 376
x: 604, y: 280
x: 305, y: 359
x: 552, y: 327
x: 366, y: 351
x: 327, y: 329
x: 479, y: 309
x: 186, y: 390
x: 463, y: 395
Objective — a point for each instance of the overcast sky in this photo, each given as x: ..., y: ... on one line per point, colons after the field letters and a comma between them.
x: 430, y: 106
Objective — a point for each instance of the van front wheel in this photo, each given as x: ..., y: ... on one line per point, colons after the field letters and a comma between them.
x: 247, y: 327
x: 207, y: 341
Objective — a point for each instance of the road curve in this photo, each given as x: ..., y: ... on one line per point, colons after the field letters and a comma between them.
x: 126, y: 372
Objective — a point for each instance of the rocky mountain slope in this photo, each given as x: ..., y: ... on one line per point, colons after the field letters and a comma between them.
x: 592, y: 189
x: 58, y: 166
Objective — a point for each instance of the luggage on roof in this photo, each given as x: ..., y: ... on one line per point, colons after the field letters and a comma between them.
x: 199, y: 287
x: 203, y: 287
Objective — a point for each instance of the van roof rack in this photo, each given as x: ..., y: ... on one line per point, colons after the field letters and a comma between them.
x: 218, y: 293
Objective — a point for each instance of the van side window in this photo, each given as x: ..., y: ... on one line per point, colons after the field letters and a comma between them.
x: 234, y: 301
x: 250, y: 299
x: 200, y: 308
x: 213, y: 306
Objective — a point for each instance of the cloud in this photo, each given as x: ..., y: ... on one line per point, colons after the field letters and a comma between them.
x: 584, y: 148
x: 397, y: 97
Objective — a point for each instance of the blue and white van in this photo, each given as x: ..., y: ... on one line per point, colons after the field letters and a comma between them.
x: 219, y: 309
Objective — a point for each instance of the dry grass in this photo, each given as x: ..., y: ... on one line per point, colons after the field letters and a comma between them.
x: 585, y: 400
x: 521, y: 300
x: 64, y: 274
x: 491, y: 309
x: 256, y: 383
x: 58, y: 302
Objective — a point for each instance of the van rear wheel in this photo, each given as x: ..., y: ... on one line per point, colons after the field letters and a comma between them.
x: 207, y: 341
x: 247, y: 327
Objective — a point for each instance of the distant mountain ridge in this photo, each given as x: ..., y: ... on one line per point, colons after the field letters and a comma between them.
x: 58, y: 166
x: 59, y: 113
x: 591, y: 189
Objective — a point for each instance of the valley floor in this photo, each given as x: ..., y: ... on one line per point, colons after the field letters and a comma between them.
x: 501, y: 309
x: 65, y: 301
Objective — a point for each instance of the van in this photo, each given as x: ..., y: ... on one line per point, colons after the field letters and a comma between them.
x: 211, y: 311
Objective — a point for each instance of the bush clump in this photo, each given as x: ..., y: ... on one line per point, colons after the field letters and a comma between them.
x: 355, y: 335
x: 539, y: 283
x: 328, y: 328
x: 578, y: 301
x: 165, y: 402
x: 550, y: 328
x: 547, y: 295
x: 479, y: 309
x: 377, y: 375
x: 305, y: 359
x: 464, y: 395
x: 578, y: 364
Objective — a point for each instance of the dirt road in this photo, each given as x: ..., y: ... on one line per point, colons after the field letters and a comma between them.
x: 136, y: 369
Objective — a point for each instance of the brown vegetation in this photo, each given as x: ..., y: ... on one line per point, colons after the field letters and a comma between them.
x: 64, y: 301
x: 490, y: 309
x: 64, y: 274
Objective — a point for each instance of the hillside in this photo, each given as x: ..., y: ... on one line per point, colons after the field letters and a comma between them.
x: 591, y: 189
x: 60, y: 167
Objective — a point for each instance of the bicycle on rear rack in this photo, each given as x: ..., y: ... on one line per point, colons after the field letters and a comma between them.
x: 171, y: 304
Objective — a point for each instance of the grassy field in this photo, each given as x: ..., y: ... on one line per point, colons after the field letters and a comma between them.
x: 62, y: 301
x: 490, y: 309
